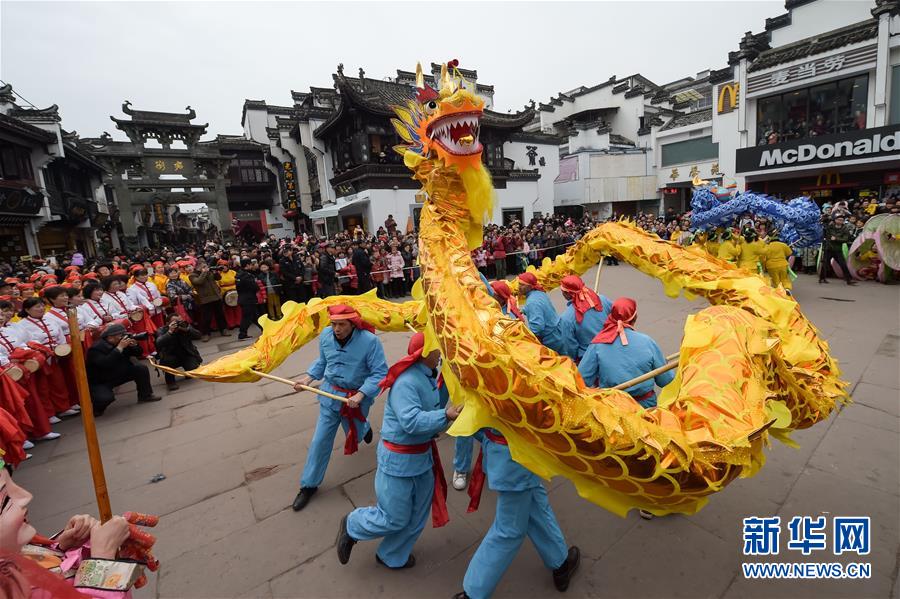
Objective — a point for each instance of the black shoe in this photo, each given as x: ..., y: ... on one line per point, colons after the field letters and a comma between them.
x: 172, y: 387
x: 303, y: 497
x: 409, y: 563
x: 461, y: 595
x: 244, y: 337
x: 149, y: 398
x: 563, y: 575
x: 368, y: 436
x: 822, y: 281
x: 344, y: 542
x: 851, y: 282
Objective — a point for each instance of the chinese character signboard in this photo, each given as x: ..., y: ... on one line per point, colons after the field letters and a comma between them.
x: 289, y: 185
x: 856, y: 59
x: 156, y: 166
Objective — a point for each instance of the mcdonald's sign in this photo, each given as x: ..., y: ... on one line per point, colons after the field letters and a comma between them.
x: 728, y: 97
x: 827, y: 178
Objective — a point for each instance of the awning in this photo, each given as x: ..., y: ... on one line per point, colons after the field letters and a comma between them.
x: 335, y: 209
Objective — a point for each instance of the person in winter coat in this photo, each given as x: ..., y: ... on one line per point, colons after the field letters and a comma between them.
x: 175, y: 347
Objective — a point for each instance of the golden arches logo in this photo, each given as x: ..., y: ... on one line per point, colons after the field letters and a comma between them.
x: 829, y: 178
x: 729, y: 91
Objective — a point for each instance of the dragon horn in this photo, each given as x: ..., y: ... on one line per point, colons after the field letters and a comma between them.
x: 447, y: 85
x: 420, y: 78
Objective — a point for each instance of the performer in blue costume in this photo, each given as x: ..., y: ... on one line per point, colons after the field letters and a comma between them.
x: 523, y: 509
x: 539, y: 313
x: 583, y: 317
x: 615, y: 357
x: 351, y: 360
x: 462, y: 452
x: 409, y: 481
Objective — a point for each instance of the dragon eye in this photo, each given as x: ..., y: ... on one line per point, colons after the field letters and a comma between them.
x: 431, y: 107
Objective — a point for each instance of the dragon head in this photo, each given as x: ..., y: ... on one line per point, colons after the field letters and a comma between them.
x: 443, y: 125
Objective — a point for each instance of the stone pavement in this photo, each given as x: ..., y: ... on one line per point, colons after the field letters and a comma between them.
x: 232, y: 455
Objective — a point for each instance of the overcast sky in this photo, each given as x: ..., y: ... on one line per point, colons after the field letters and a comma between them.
x: 89, y: 57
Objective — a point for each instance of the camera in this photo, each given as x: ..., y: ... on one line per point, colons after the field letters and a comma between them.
x: 183, y: 324
x: 138, y: 336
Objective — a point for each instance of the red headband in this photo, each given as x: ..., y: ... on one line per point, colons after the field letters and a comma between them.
x: 414, y: 353
x: 504, y: 293
x: 583, y: 299
x: 529, y: 279
x: 345, y: 312
x: 623, y: 313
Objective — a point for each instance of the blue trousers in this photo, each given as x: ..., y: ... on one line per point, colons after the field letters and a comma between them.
x: 519, y: 513
x: 462, y: 454
x: 323, y: 442
x: 403, y: 509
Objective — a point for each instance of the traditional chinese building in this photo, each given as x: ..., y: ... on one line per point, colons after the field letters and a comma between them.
x: 51, y: 192
x: 337, y: 143
x: 819, y: 106
x: 149, y: 181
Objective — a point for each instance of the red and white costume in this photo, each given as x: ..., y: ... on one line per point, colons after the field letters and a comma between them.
x: 118, y: 305
x: 13, y: 348
x: 45, y: 334
x: 93, y: 314
x: 143, y: 294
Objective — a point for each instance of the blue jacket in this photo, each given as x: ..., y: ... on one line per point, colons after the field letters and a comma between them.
x: 503, y: 474
x: 608, y: 364
x: 413, y: 414
x: 359, y: 364
x: 578, y: 337
x: 543, y: 320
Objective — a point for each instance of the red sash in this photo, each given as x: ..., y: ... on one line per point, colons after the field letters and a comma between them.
x: 476, y: 485
x: 7, y: 343
x: 351, y: 445
x: 439, y: 514
x: 91, y: 303
x: 646, y: 395
x: 43, y: 325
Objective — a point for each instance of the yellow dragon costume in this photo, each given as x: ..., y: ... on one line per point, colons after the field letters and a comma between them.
x: 751, y: 365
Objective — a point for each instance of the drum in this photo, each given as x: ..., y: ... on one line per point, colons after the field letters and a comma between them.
x: 157, y: 301
x: 231, y: 298
x: 31, y: 365
x: 14, y: 372
x: 62, y: 350
x: 136, y: 315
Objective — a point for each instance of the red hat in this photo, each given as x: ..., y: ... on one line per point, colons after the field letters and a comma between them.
x: 506, y: 298
x: 119, y: 272
x: 158, y: 263
x: 135, y: 267
x: 222, y: 263
x: 623, y: 313
x: 11, y: 280
x: 583, y: 299
x: 26, y: 286
x: 91, y: 275
x: 345, y: 312
x: 35, y: 276
x: 70, y: 268
x: 529, y: 279
x: 414, y: 351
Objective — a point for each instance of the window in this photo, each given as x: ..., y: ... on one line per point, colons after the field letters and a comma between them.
x: 895, y: 95
x: 15, y: 163
x: 691, y: 150
x: 833, y: 107
x: 250, y: 171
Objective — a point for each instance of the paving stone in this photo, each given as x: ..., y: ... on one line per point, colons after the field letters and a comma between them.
x: 858, y: 412
x: 249, y: 557
x: 883, y: 371
x: 222, y: 404
x: 879, y: 398
x: 860, y: 454
x: 202, y: 523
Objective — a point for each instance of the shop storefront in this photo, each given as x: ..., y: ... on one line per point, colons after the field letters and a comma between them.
x: 841, y: 166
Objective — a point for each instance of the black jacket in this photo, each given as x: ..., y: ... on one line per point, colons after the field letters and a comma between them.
x: 327, y: 271
x: 177, y: 349
x: 106, y: 364
x: 245, y: 284
x: 289, y: 271
x: 361, y: 262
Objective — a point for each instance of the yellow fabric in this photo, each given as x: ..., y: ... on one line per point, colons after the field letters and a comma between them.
x: 750, y: 254
x: 729, y: 251
x: 712, y: 247
x: 777, y: 254
x: 186, y: 278
x: 779, y: 276
x: 752, y: 348
x: 226, y: 283
x: 160, y: 280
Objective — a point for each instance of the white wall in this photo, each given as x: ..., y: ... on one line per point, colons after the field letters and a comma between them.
x: 823, y: 15
x: 550, y: 153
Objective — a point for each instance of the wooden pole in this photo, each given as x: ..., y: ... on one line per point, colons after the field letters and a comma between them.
x: 647, y: 375
x: 272, y: 377
x: 672, y: 356
x: 87, y: 418
x: 599, y: 270
x: 411, y: 327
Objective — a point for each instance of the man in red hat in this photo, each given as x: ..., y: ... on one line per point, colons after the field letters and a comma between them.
x: 539, y: 313
x: 583, y: 317
x: 409, y: 482
x: 351, y: 362
x: 619, y: 353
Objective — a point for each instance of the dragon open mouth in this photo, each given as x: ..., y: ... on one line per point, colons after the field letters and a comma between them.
x: 457, y: 133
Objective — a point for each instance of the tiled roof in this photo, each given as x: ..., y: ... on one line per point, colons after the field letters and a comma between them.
x: 692, y: 118
x: 537, y: 137
x: 159, y: 117
x: 14, y: 125
x: 620, y: 140
x: 816, y: 44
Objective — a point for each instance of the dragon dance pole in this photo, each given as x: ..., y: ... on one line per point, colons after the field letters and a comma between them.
x: 272, y: 377
x: 599, y: 270
x: 647, y: 375
x: 87, y: 418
